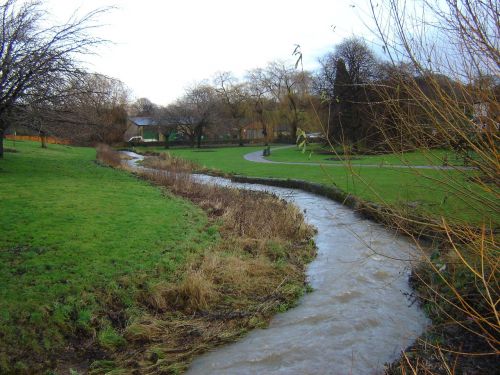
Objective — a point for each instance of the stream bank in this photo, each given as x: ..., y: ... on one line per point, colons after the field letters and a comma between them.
x: 361, y: 314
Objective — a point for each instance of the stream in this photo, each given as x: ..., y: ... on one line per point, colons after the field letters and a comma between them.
x: 360, y: 314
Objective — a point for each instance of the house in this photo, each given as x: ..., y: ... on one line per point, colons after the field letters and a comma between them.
x: 145, y: 127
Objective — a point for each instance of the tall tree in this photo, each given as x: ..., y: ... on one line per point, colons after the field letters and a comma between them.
x: 342, y: 82
x: 100, y: 103
x: 92, y: 109
x: 258, y: 97
x: 34, y: 58
x: 234, y: 98
x: 285, y: 84
x: 343, y: 106
x: 194, y: 112
x: 143, y: 107
x: 359, y: 60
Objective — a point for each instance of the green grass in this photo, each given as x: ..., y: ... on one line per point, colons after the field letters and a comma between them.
x: 316, y: 153
x: 78, y: 240
x: 429, y: 192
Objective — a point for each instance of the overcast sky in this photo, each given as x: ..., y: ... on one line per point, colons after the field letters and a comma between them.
x: 160, y: 47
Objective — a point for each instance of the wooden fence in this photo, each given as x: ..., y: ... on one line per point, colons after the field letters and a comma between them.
x: 36, y: 138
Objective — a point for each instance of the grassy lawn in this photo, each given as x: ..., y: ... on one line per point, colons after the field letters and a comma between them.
x: 428, y: 191
x: 315, y: 153
x: 77, y: 242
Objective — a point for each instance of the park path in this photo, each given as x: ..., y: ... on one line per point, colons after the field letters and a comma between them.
x: 257, y: 157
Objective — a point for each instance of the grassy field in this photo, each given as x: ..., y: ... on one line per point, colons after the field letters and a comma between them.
x: 432, y: 192
x: 77, y: 241
x: 316, y: 153
x: 93, y: 257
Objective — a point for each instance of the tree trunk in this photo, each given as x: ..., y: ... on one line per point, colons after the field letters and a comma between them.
x: 167, y: 136
x: 294, y: 130
x: 199, y: 133
x: 43, y: 139
x: 2, y: 134
x: 264, y: 133
x: 240, y: 136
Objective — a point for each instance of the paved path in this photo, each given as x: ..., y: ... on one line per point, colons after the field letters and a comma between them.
x: 257, y: 157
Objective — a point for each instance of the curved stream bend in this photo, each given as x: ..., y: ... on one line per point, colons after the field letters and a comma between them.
x: 359, y: 315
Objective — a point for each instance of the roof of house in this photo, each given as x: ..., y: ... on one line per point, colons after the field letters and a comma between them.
x: 143, y: 121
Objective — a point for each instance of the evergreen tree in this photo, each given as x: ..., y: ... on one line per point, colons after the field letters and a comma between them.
x: 343, y: 105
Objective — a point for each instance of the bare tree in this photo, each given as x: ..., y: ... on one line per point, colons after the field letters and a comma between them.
x: 359, y: 60
x: 286, y: 86
x: 194, y: 112
x: 35, y: 59
x: 258, y: 95
x: 234, y: 98
x: 99, y: 103
x: 180, y: 116
x: 92, y: 108
x: 201, y: 102
x: 143, y: 107
x: 167, y: 119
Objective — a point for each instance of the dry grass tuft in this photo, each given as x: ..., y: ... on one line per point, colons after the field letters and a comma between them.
x: 106, y: 155
x: 147, y: 329
x: 256, y: 269
x: 165, y: 161
x: 195, y: 292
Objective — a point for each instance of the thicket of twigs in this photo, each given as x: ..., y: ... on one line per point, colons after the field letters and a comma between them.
x: 442, y: 89
x: 453, y: 47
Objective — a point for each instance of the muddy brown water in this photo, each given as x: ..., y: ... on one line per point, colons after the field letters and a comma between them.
x: 360, y: 314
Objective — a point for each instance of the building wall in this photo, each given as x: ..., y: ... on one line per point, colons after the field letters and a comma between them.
x: 148, y: 133
x: 132, y: 131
